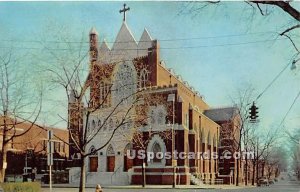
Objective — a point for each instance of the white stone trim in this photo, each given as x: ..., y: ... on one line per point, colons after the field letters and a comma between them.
x: 162, y: 173
x: 157, y: 139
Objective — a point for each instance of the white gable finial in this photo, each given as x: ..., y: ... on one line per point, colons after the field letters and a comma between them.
x: 93, y: 31
x: 104, y: 45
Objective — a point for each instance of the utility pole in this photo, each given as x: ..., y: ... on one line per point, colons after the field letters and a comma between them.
x: 50, y: 156
x: 257, y: 162
x: 143, y: 173
x: 171, y: 97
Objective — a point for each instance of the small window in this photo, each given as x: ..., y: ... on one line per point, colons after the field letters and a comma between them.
x: 93, y: 125
x: 156, y: 149
x: 186, y: 120
x: 160, y: 118
x: 99, y: 124
x: 111, y: 124
x: 45, y: 144
x: 57, y: 146
x: 152, y: 117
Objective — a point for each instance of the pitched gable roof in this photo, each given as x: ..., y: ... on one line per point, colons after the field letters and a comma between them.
x: 221, y: 114
x: 104, y: 51
x: 124, y: 38
x: 125, y: 45
x: 144, y: 43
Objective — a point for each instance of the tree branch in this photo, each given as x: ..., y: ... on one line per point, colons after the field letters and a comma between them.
x: 285, y: 6
x: 290, y: 29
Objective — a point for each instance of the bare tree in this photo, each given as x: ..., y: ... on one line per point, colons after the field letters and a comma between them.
x: 89, y: 88
x: 265, y: 8
x: 242, y: 128
x: 274, y: 160
x: 17, y: 104
x: 246, y: 134
x: 294, y: 140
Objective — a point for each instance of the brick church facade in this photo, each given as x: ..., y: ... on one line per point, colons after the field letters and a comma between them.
x: 165, y: 103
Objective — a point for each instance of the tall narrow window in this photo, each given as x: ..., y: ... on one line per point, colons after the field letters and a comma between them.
x: 156, y: 149
x: 128, y: 162
x: 160, y: 117
x: 104, y: 93
x: 93, y: 160
x: 99, y: 124
x: 111, y: 124
x: 93, y: 128
x: 186, y: 119
x: 152, y: 117
x: 143, y: 78
x: 110, y: 160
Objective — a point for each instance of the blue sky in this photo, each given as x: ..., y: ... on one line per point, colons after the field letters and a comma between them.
x: 215, y: 68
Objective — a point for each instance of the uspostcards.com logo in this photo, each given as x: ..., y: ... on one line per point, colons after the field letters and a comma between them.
x: 207, y: 155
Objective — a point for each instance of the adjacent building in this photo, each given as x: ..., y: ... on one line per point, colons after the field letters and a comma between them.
x: 27, y: 153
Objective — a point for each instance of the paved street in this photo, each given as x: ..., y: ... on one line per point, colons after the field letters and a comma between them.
x: 278, y: 187
x: 285, y: 185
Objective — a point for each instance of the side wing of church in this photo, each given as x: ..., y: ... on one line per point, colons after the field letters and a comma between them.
x: 157, y: 112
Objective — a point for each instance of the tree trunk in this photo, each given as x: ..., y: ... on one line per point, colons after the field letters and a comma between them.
x: 253, y: 173
x: 246, y: 178
x: 3, y: 151
x: 237, y: 172
x: 82, y: 175
x: 2, y: 164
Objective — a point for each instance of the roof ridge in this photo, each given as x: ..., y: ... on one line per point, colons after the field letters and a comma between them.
x: 224, y: 107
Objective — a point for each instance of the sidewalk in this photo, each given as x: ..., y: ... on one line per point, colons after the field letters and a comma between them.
x: 152, y: 186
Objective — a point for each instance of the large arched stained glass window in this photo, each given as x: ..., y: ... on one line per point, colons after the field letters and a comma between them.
x: 124, y: 83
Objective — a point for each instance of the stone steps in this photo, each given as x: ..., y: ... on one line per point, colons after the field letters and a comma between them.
x: 195, y: 180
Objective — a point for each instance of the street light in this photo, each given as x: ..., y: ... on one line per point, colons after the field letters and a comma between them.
x: 293, y: 67
x: 171, y: 97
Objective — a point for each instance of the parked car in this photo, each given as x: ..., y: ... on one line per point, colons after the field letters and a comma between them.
x: 263, y: 182
x: 271, y: 181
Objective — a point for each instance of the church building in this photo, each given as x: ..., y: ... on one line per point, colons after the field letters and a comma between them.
x: 140, y: 104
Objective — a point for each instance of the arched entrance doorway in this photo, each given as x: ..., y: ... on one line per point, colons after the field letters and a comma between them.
x: 110, y: 159
x: 128, y: 162
x: 93, y: 160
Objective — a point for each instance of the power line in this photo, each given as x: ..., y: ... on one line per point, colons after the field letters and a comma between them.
x: 269, y: 85
x: 227, y: 44
x: 166, y: 48
x: 292, y: 105
x: 176, y: 39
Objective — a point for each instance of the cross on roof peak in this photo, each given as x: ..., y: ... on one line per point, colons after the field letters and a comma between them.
x: 124, y: 11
